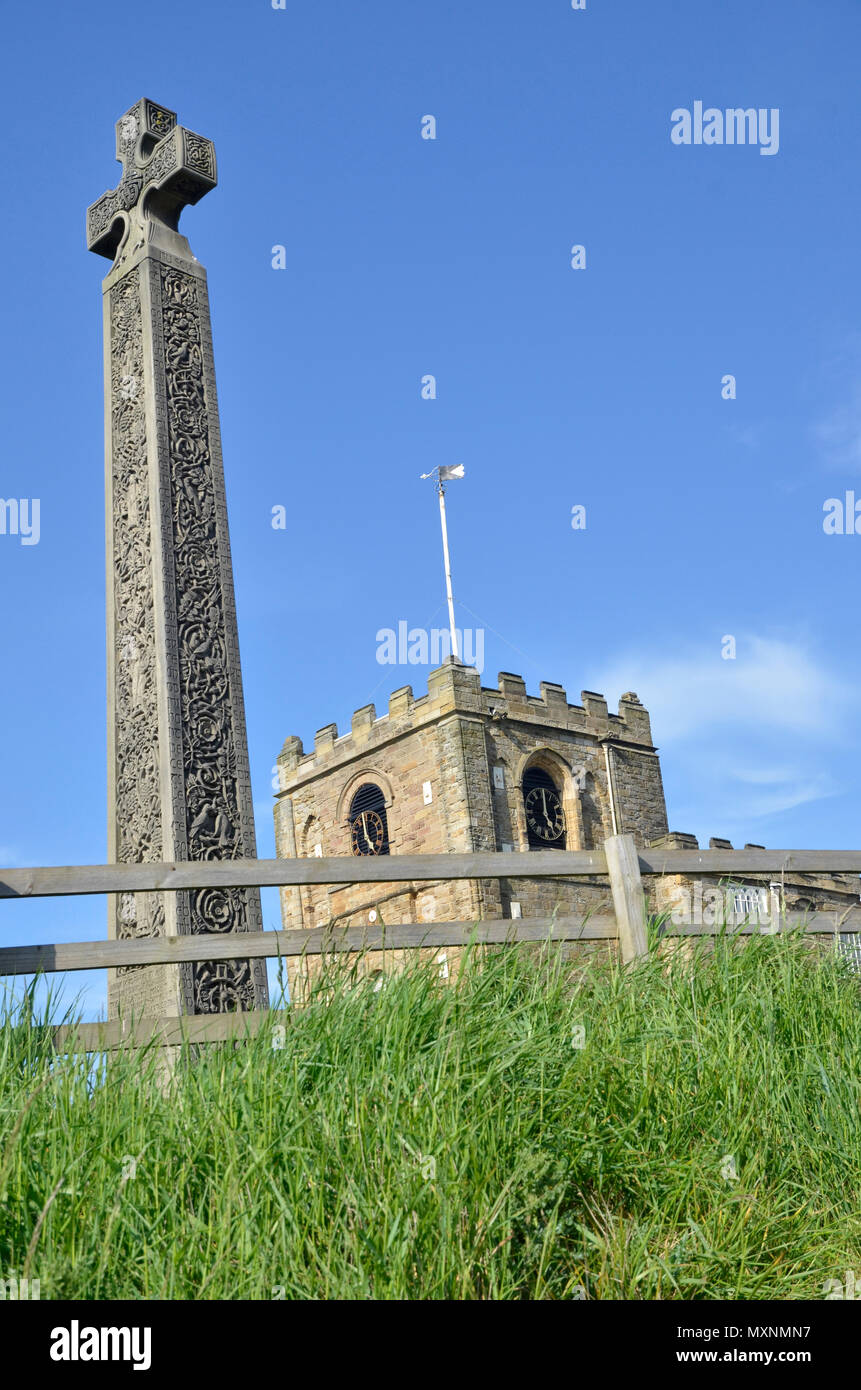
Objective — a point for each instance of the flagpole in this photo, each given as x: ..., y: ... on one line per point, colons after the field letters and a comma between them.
x: 442, y: 474
x: 448, y: 592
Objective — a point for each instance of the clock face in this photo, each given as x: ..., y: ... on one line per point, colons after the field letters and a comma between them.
x: 367, y: 833
x: 544, y: 814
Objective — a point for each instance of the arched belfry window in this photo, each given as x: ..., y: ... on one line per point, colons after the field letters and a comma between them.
x: 542, y: 803
x: 369, y: 827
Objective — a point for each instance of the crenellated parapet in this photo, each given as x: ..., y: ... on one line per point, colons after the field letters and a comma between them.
x: 467, y: 767
x: 800, y: 890
x: 456, y: 689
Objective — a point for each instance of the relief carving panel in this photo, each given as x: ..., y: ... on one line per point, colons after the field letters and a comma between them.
x: 209, y: 754
x: 137, y: 779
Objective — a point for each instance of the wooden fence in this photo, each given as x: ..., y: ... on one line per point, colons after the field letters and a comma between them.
x: 620, y: 861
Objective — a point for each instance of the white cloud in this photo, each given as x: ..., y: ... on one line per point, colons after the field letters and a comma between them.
x: 838, y: 434
x: 766, y: 791
x: 771, y: 684
x: 743, y: 739
x: 837, y: 378
x: 749, y: 436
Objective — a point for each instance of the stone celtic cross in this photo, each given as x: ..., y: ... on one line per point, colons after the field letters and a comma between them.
x: 178, y: 777
x: 173, y: 166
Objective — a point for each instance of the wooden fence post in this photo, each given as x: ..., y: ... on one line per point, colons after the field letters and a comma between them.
x: 623, y: 866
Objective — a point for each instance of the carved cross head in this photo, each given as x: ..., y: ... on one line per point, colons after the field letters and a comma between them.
x: 165, y: 168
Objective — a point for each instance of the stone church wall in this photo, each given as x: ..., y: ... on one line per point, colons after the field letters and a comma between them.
x: 450, y: 765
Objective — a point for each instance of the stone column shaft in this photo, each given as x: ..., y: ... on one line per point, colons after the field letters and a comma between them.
x: 178, y: 777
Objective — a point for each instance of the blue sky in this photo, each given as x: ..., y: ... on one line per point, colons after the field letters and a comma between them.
x: 555, y: 387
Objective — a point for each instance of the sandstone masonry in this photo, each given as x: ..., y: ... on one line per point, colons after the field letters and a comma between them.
x: 449, y: 767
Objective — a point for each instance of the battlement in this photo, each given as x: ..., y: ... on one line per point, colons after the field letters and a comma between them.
x: 793, y: 880
x: 457, y: 689
x: 678, y: 839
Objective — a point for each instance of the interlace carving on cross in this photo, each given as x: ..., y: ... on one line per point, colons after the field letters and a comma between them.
x: 165, y: 169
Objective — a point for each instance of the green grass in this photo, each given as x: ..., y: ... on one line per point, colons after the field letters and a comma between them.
x: 429, y: 1141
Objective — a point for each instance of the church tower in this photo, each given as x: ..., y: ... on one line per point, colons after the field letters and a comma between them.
x: 464, y: 768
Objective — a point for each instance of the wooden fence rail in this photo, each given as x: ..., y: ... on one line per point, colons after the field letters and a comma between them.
x: 403, y: 868
x: 173, y: 950
x: 620, y: 861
